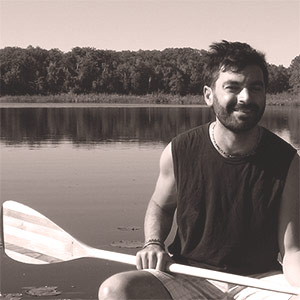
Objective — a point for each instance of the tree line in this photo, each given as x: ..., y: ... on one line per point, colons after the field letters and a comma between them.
x: 36, y: 71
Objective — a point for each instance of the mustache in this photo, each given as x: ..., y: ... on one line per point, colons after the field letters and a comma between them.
x: 236, y: 107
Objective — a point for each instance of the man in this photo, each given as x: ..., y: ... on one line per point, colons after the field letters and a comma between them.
x: 235, y: 187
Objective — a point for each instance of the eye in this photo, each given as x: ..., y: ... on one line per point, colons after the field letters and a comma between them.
x: 232, y: 88
x: 257, y: 88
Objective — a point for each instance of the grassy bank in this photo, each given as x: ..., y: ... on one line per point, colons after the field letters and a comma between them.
x: 285, y: 99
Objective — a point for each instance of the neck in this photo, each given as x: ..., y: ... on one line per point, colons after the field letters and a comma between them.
x: 229, y: 143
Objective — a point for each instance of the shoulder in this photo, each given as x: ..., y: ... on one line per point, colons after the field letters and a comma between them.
x: 271, y: 140
x: 166, y: 160
x: 191, y: 135
x: 275, y: 152
x: 275, y: 147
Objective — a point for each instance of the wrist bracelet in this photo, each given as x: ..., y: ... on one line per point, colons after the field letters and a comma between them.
x: 154, y: 242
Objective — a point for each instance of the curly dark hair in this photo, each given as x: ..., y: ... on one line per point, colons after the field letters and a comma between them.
x: 234, y: 56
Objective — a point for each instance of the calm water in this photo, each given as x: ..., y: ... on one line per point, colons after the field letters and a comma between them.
x: 92, y: 170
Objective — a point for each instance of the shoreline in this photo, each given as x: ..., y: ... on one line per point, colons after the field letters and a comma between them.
x: 115, y: 100
x: 91, y: 105
x: 107, y: 99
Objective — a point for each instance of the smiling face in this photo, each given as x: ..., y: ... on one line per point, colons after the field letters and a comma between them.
x: 238, y: 98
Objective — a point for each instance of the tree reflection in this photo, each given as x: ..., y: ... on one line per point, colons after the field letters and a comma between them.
x: 99, y: 125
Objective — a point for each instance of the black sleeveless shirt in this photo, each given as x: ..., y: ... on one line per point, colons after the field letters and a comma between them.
x: 227, y: 210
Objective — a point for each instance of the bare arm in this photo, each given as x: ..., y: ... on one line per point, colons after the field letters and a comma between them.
x: 159, y: 215
x: 289, y: 225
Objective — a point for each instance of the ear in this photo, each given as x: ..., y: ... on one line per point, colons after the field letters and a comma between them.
x: 208, y: 95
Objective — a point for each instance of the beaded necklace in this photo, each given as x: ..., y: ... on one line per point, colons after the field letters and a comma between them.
x: 228, y: 155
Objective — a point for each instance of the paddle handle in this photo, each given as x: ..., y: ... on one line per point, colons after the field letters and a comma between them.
x: 234, y: 279
x: 202, y: 273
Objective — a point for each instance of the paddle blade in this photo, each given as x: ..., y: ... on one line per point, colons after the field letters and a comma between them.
x: 30, y: 237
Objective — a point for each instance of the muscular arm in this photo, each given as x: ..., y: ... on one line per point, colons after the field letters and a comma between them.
x: 160, y: 211
x: 289, y: 225
x: 159, y: 215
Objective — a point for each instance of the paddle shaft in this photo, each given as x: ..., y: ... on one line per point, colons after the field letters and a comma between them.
x: 200, y: 272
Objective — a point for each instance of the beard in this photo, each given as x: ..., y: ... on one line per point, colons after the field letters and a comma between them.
x: 238, y: 118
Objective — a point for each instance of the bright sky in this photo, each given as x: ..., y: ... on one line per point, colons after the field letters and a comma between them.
x: 272, y: 26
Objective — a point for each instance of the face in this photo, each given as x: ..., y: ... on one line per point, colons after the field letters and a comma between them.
x: 238, y: 98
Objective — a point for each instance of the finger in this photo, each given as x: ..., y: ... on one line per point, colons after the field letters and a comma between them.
x: 152, y: 261
x: 161, y: 261
x: 145, y: 261
x: 138, y: 261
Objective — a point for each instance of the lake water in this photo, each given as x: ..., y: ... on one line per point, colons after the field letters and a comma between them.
x: 92, y: 171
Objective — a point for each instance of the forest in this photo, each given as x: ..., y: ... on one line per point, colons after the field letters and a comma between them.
x: 177, y: 71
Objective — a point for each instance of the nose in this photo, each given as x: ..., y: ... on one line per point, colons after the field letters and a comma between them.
x: 243, y: 96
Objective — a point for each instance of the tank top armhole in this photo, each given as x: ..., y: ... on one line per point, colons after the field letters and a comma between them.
x: 174, y: 158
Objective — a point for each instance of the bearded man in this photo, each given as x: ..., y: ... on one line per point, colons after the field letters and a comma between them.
x: 235, y: 187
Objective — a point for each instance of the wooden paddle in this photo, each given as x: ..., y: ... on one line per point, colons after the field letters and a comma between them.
x: 30, y: 237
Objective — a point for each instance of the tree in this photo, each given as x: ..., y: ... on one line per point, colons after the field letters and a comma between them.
x: 85, y: 70
x: 278, y: 79
x: 294, y: 70
x: 55, y: 72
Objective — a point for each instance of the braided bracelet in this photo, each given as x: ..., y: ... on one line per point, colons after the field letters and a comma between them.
x: 154, y: 242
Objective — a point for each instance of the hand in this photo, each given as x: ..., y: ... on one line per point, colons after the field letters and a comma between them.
x: 152, y: 257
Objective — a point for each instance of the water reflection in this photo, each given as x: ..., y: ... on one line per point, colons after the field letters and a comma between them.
x: 91, y: 125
